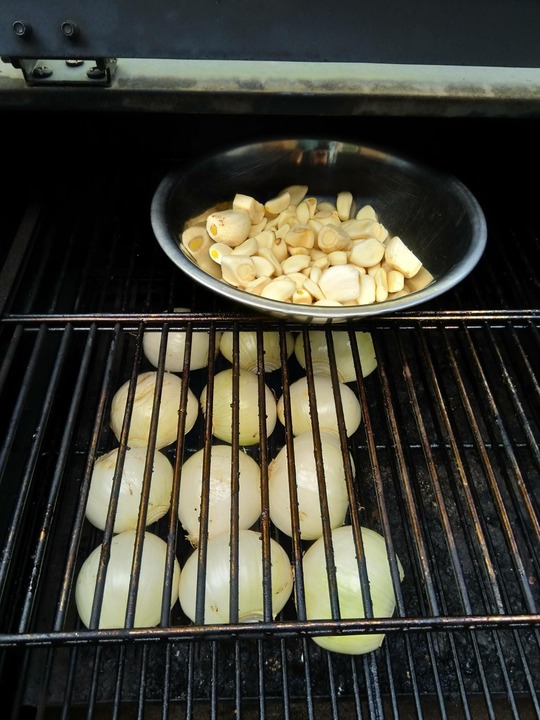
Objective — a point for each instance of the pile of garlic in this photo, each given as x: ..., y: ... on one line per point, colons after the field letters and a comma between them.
x: 296, y: 248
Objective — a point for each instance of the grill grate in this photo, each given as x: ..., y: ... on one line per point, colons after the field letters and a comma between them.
x: 447, y: 468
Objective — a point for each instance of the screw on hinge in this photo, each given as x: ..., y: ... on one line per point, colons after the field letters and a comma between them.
x: 74, y: 63
x: 22, y: 29
x: 96, y: 73
x: 41, y: 72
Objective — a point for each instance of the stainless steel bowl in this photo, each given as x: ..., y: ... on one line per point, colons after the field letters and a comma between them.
x: 434, y: 213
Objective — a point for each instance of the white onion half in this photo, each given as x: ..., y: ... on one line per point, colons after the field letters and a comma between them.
x: 326, y: 406
x: 150, y: 588
x: 176, y: 342
x: 307, y: 487
x: 349, y: 587
x: 343, y: 353
x: 250, y: 579
x: 220, y: 482
x: 248, y: 407
x: 139, y: 429
x: 247, y: 349
x: 131, y: 484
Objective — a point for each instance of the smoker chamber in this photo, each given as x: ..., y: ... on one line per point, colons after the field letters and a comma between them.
x: 447, y: 460
x: 97, y: 103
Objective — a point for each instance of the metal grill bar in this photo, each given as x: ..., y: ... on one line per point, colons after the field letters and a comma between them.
x: 447, y: 432
x: 424, y: 351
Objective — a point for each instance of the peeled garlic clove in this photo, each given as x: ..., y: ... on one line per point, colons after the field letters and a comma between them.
x: 398, y: 255
x: 396, y: 281
x: 263, y: 268
x: 295, y: 263
x: 217, y: 250
x: 300, y: 236
x: 340, y: 282
x: 280, y: 288
x: 367, y: 295
x: 196, y: 241
x: 249, y: 204
x: 238, y: 270
x: 268, y: 255
x: 296, y: 193
x: 313, y: 289
x: 248, y: 247
x: 338, y: 257
x: 367, y: 252
x: 358, y: 227
x: 255, y: 287
x: 196, y: 244
x: 344, y: 203
x: 332, y: 238
x: 302, y: 297
x: 325, y: 206
x: 278, y: 204
x: 229, y: 226
x: 420, y: 280
x: 139, y: 427
x: 381, y: 285
x: 367, y: 211
x: 265, y: 238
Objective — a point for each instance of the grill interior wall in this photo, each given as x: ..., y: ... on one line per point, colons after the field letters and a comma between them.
x: 446, y: 457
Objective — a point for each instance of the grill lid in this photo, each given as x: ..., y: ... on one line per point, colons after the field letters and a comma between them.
x: 434, y: 33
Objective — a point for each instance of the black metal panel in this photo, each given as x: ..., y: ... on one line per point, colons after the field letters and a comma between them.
x: 498, y: 33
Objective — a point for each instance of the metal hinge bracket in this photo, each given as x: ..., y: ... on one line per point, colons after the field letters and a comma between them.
x: 65, y: 72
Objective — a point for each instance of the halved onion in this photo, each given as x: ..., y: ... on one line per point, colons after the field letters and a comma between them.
x: 247, y: 349
x: 150, y: 587
x: 326, y: 406
x: 248, y: 407
x: 307, y: 487
x: 343, y: 353
x: 250, y: 579
x: 349, y: 587
x: 131, y: 483
x: 220, y: 488
x: 139, y: 429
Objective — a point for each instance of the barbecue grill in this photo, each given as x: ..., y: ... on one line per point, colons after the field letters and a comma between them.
x: 446, y: 458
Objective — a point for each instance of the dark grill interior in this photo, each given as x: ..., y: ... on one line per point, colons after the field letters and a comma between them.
x: 446, y: 457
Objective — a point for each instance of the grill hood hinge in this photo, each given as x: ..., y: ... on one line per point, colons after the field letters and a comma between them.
x: 39, y: 72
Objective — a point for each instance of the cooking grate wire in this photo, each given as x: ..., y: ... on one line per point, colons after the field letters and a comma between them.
x: 429, y: 551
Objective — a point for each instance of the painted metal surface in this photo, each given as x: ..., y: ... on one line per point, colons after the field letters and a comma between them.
x: 498, y: 33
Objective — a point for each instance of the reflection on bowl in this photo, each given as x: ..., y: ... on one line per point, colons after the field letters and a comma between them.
x: 435, y: 215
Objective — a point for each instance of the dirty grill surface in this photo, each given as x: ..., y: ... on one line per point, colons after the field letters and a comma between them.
x: 445, y: 465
